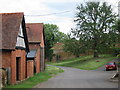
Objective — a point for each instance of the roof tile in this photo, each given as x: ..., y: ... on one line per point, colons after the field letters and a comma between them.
x: 34, y: 32
x: 10, y: 28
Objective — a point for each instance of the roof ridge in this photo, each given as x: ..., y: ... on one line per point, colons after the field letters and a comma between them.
x: 13, y: 13
x: 34, y: 23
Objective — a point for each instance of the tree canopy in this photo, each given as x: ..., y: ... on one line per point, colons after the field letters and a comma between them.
x: 94, y: 22
x: 73, y: 45
x: 52, y: 36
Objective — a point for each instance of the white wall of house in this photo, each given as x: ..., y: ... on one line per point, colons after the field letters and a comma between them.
x: 20, y: 40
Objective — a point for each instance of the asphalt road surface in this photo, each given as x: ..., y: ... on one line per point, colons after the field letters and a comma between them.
x: 76, y: 78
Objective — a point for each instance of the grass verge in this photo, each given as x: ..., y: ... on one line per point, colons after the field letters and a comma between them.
x: 38, y: 78
x: 86, y: 62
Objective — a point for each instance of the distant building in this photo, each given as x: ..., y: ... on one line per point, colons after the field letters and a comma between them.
x: 60, y: 54
x: 14, y: 46
x: 36, y: 41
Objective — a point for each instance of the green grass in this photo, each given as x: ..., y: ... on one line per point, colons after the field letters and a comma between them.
x: 69, y: 61
x: 38, y: 78
x: 85, y: 62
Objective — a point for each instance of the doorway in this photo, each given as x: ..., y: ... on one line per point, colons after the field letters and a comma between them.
x: 18, y: 59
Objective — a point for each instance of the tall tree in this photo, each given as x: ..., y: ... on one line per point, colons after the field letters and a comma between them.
x: 117, y: 26
x: 52, y: 36
x: 116, y: 38
x: 94, y: 22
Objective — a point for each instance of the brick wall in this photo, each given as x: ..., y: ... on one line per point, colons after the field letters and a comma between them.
x: 9, y: 61
x: 22, y: 64
x: 30, y: 68
x: 42, y: 42
x: 67, y: 55
x: 37, y: 60
x: 42, y: 59
x: 34, y: 46
x: 63, y: 56
x: 6, y: 59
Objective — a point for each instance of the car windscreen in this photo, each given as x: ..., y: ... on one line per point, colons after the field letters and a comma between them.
x: 110, y: 63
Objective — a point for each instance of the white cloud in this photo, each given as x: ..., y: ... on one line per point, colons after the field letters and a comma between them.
x: 39, y: 7
x: 65, y: 23
x: 114, y: 4
x: 66, y: 26
x: 62, y: 1
x: 27, y: 6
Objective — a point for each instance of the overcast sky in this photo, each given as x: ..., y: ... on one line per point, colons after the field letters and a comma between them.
x: 44, y: 7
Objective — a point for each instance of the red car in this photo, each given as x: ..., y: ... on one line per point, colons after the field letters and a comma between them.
x: 111, y: 66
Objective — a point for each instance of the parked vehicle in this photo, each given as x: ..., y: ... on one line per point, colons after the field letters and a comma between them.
x: 111, y: 66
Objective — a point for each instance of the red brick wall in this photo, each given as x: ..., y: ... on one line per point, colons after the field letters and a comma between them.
x: 22, y: 66
x: 68, y: 55
x: 118, y: 45
x: 37, y: 60
x: 6, y: 59
x: 34, y: 46
x: 9, y: 60
x: 42, y: 59
x: 64, y: 56
x: 30, y: 68
x: 42, y: 42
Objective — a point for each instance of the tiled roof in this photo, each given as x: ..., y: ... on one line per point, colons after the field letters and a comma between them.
x: 10, y: 28
x: 35, y: 32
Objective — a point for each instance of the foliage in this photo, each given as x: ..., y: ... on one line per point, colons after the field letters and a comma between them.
x: 94, y: 22
x: 38, y: 78
x: 118, y: 55
x: 73, y: 46
x: 117, y: 26
x: 115, y: 51
x: 52, y: 36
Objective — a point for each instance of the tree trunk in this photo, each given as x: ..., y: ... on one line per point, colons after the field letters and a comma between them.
x: 77, y: 56
x: 95, y: 47
x: 95, y: 54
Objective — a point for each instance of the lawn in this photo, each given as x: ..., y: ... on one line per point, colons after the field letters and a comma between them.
x: 38, y: 78
x: 85, y: 62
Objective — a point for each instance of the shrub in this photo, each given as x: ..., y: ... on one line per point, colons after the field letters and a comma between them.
x: 115, y: 51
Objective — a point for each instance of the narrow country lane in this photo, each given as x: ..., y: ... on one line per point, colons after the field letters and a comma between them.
x: 76, y: 78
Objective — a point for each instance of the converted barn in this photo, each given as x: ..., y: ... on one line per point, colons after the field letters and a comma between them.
x: 14, y: 46
x: 35, y: 32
